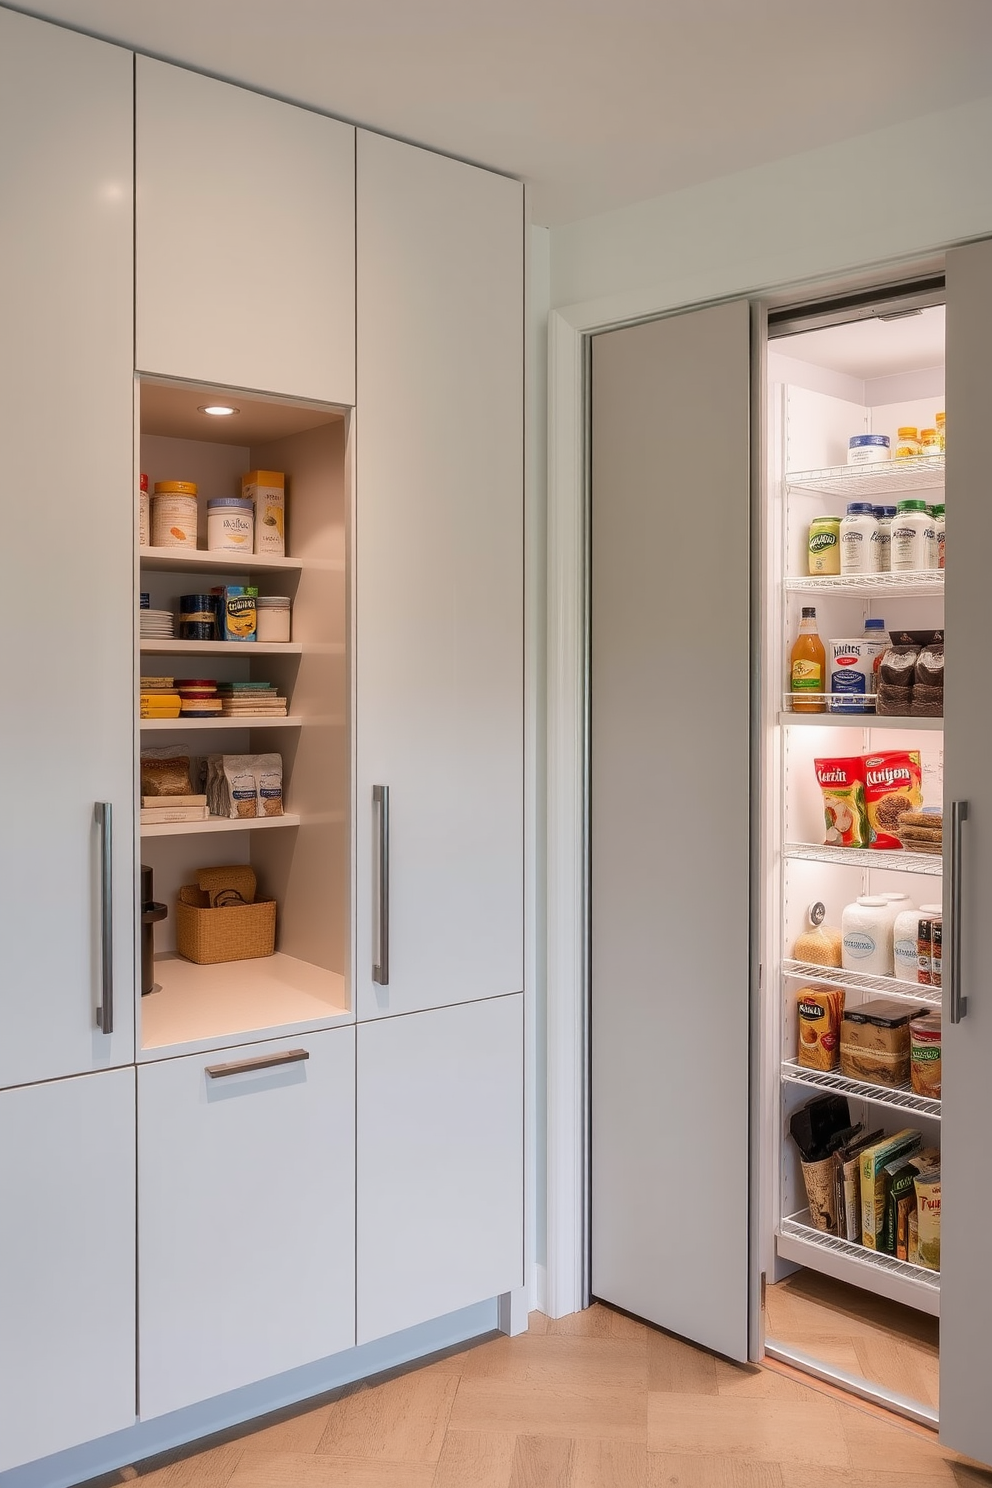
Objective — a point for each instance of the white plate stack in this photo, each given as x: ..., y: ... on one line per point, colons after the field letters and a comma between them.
x: 157, y: 625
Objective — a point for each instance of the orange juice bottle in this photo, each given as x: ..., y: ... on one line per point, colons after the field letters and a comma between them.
x: 809, y: 666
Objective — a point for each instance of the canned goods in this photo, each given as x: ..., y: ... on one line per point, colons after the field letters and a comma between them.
x: 197, y: 617
x: 824, y: 545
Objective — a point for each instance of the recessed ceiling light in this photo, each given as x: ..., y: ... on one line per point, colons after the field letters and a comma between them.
x: 219, y: 410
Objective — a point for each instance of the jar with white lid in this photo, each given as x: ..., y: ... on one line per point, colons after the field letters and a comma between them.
x: 273, y: 612
x: 866, y: 936
x: 914, y: 537
x: 858, y: 539
x: 230, y: 525
x: 904, y: 949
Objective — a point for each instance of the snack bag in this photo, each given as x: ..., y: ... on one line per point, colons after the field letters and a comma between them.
x: 819, y: 1010
x: 893, y: 786
x: 845, y: 819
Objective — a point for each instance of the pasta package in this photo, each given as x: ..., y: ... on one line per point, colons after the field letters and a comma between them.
x: 842, y: 782
x: 893, y: 788
x: 819, y: 1012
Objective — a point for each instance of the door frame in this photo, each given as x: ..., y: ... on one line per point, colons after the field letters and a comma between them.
x: 570, y: 329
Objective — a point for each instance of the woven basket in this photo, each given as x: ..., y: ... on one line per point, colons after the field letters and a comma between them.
x: 238, y: 932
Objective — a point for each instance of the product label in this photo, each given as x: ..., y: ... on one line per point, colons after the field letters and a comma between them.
x: 807, y: 676
x: 818, y: 541
x: 925, y: 1053
x: 859, y: 944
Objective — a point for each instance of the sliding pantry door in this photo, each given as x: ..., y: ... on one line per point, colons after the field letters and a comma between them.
x: 670, y: 686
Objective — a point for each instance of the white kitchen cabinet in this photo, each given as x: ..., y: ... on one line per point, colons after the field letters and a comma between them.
x: 245, y: 238
x: 66, y: 396
x: 246, y: 1203
x: 440, y: 1162
x: 66, y: 1263
x: 439, y: 563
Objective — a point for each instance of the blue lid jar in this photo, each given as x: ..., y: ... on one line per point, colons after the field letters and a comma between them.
x: 868, y: 441
x: 860, y: 509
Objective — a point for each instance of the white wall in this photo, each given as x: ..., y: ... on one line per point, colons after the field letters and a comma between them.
x: 898, y: 193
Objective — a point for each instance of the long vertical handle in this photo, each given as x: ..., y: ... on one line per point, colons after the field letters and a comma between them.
x: 957, y: 1002
x: 380, y: 965
x: 105, y: 821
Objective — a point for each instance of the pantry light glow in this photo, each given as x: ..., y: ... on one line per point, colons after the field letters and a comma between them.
x: 219, y: 410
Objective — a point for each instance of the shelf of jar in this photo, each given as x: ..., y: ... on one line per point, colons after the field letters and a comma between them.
x: 859, y: 981
x: 930, y: 864
x: 247, y: 649
x: 243, y: 721
x: 849, y: 482
x: 914, y: 1286
x: 909, y: 583
x: 859, y: 720
x: 219, y: 824
x: 196, y: 1008
x: 187, y: 560
x: 900, y: 1098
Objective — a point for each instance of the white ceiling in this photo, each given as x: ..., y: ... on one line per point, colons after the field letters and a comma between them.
x: 596, y: 103
x: 873, y: 348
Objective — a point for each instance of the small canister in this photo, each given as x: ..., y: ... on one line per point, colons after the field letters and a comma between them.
x: 144, y: 513
x: 868, y: 449
x: 174, y: 515
x: 274, y: 617
x: 924, y: 1055
x: 197, y: 617
x: 230, y: 525
x: 824, y: 545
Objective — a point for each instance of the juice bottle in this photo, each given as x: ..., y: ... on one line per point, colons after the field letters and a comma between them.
x: 808, y: 666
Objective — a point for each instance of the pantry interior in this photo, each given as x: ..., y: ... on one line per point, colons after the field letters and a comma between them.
x: 871, y: 366
x: 302, y: 857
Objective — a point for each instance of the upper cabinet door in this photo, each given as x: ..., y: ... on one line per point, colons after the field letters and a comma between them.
x: 245, y: 238
x: 439, y: 579
x: 67, y: 419
x: 966, y: 1160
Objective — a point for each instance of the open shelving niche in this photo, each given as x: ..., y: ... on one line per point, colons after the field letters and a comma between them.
x: 809, y: 426
x: 302, y: 859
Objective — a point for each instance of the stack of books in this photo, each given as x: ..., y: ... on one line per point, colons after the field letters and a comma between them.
x: 157, y: 810
x: 159, y: 698
x: 251, y: 700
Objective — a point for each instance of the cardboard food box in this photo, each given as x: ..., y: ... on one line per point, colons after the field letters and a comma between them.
x: 873, y: 1189
x: 899, y: 1177
x: 875, y: 1041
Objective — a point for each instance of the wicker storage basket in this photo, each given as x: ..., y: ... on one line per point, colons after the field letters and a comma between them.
x: 238, y: 932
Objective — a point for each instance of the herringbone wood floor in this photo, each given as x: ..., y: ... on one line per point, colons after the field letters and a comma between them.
x: 595, y: 1400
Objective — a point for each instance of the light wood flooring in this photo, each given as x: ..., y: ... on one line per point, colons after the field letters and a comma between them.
x: 863, y: 1334
x: 595, y: 1400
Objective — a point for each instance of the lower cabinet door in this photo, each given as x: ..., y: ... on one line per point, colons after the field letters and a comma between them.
x: 440, y: 1162
x: 246, y: 1202
x: 66, y: 1263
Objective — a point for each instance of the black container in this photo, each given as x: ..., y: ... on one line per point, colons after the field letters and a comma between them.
x: 151, y: 913
x: 198, y: 617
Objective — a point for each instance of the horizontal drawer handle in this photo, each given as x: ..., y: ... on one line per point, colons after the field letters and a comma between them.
x: 263, y: 1061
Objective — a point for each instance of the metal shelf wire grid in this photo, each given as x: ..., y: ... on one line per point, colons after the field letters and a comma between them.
x: 900, y: 1099
x: 864, y: 857
x: 923, y: 473
x: 798, y: 1226
x: 913, y: 583
x: 859, y: 981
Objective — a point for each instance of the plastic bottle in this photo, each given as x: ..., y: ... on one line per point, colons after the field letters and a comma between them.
x: 859, y: 548
x: 808, y: 666
x: 938, y: 525
x: 884, y: 515
x: 914, y: 537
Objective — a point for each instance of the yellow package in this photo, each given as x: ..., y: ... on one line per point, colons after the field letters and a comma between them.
x: 819, y: 1011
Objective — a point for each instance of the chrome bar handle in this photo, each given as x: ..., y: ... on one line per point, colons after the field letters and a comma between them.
x: 260, y: 1062
x: 957, y: 1002
x: 380, y: 806
x: 105, y: 821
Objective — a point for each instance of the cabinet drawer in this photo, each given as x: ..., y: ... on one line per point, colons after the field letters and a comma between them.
x: 245, y: 1215
x: 440, y: 1162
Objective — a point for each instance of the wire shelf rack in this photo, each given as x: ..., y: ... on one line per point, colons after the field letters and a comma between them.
x: 923, y: 473
x: 911, y: 583
x: 798, y: 1226
x: 840, y: 708
x: 930, y: 864
x: 860, y: 981
x: 902, y: 1098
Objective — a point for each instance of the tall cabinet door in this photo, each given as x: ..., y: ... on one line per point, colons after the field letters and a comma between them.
x: 439, y: 580
x: 966, y: 1162
x: 670, y: 831
x: 67, y: 1305
x: 245, y: 238
x: 66, y: 417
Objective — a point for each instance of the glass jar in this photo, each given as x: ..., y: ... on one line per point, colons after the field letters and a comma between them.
x: 859, y: 548
x: 930, y: 442
x: 939, y: 421
x: 274, y: 622
x: 907, y: 443
x: 823, y: 546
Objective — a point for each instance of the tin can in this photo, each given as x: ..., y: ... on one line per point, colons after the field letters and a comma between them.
x: 824, y: 545
x: 197, y: 617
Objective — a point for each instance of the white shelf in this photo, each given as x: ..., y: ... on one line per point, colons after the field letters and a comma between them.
x: 849, y: 482
x: 156, y: 725
x: 920, y: 583
x: 219, y: 824
x: 913, y: 1286
x: 930, y: 864
x: 859, y: 981
x: 183, y: 560
x: 247, y: 649
x: 236, y: 1002
x: 902, y: 1098
x: 858, y: 720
